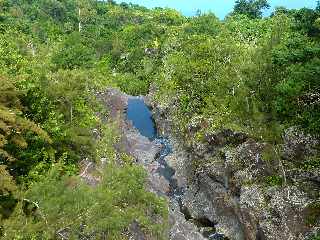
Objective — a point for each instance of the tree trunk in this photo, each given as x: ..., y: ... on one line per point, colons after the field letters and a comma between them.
x: 71, y: 113
x: 80, y: 25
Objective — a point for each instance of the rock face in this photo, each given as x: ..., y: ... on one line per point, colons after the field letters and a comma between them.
x: 233, y: 185
x: 180, y: 228
x: 297, y: 145
x: 146, y: 153
x: 249, y: 190
x: 143, y: 150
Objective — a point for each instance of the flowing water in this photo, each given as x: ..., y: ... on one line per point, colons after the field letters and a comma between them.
x: 141, y: 117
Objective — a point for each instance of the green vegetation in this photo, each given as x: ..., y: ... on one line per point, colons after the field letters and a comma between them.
x: 311, y: 163
x: 245, y: 73
x: 250, y: 8
x: 103, y: 212
x: 54, y: 57
x: 316, y: 237
x: 250, y: 74
x: 274, y: 181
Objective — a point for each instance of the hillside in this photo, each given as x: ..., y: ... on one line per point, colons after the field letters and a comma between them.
x: 238, y: 99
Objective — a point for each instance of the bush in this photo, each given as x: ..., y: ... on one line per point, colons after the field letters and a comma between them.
x: 65, y: 204
x: 74, y: 54
x: 131, y: 84
x: 274, y: 180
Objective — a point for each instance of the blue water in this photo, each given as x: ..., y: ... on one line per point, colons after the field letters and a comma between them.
x: 141, y: 117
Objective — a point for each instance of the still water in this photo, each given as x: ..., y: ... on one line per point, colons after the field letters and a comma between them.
x: 141, y: 117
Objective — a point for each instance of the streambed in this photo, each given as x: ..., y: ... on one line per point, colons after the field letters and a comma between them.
x: 140, y: 116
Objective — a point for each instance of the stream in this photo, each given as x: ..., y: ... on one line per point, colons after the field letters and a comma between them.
x: 141, y: 117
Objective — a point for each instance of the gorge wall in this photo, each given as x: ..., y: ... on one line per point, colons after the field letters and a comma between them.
x: 248, y: 189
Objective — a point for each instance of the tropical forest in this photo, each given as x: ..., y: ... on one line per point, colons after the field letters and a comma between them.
x: 122, y: 122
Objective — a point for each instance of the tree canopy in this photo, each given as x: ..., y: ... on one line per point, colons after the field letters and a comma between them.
x: 251, y: 8
x: 247, y: 73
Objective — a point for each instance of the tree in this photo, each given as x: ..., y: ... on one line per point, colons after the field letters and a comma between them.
x: 86, y: 12
x: 204, y: 24
x: 306, y: 21
x: 71, y: 92
x: 8, y: 190
x: 13, y: 125
x: 15, y: 132
x: 280, y: 10
x: 111, y: 2
x: 251, y: 8
x: 74, y: 54
x: 60, y: 206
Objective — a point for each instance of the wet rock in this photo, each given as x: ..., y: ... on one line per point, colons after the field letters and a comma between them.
x: 207, y: 231
x: 176, y: 162
x: 159, y: 184
x: 146, y: 153
x: 217, y: 236
x: 141, y: 147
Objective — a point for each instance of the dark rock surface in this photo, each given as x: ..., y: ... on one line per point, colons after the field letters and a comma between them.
x: 231, y: 187
x: 146, y: 152
x: 231, y: 181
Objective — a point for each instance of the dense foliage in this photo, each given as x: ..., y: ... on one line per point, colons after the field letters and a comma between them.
x: 246, y: 73
x: 55, y: 56
x: 251, y: 8
x: 250, y: 74
x: 67, y: 207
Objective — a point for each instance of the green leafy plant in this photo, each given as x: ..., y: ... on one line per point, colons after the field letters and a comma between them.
x: 274, y: 180
x: 61, y: 204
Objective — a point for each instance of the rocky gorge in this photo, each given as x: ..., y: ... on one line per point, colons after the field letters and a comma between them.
x: 229, y: 186
x: 246, y: 188
x: 152, y: 154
